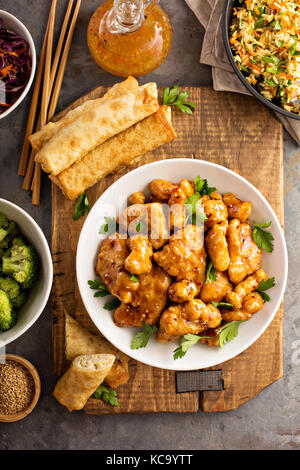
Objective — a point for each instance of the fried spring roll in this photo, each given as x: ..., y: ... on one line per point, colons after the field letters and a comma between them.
x: 119, y: 151
x: 49, y: 130
x: 82, y: 379
x: 92, y: 128
x: 79, y: 341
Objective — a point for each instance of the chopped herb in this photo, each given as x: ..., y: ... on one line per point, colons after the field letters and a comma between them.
x: 134, y: 278
x: 222, y: 304
x: 81, y: 207
x: 259, y: 23
x: 278, y: 43
x: 107, y: 394
x: 109, y: 228
x: 172, y: 97
x: 263, y: 238
x: 271, y: 82
x: 211, y: 273
x: 244, y: 68
x: 186, y: 342
x: 112, y: 304
x: 100, y: 287
x: 140, y: 226
x: 265, y: 285
x: 293, y: 48
x: 142, y: 337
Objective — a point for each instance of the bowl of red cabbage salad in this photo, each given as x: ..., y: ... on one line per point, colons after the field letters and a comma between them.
x: 15, y: 66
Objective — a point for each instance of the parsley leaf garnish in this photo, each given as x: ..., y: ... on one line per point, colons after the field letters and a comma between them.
x: 142, y: 337
x: 201, y: 186
x: 172, y: 97
x: 265, y: 285
x: 112, y: 304
x: 134, y: 278
x: 186, y: 342
x: 100, y: 287
x: 109, y: 228
x: 222, y: 304
x: 263, y: 238
x: 211, y: 273
x: 81, y: 207
x: 228, y: 332
x: 107, y: 394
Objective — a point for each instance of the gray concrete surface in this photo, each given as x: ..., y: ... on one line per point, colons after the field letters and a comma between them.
x: 269, y: 421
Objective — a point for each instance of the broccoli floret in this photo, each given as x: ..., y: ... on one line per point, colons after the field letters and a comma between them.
x: 4, y: 221
x: 7, y: 315
x: 8, y: 233
x: 22, y: 264
x: 20, y: 300
x: 10, y: 286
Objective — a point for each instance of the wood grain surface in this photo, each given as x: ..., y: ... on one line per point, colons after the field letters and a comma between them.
x: 229, y: 129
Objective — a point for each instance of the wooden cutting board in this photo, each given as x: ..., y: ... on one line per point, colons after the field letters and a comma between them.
x: 229, y: 129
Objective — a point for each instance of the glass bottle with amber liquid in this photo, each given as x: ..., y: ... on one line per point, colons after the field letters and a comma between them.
x: 129, y: 37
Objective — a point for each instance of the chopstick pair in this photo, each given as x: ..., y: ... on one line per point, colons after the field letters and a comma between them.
x: 52, y: 76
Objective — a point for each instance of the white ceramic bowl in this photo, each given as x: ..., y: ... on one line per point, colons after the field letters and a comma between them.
x: 156, y: 354
x: 40, y: 292
x: 18, y: 27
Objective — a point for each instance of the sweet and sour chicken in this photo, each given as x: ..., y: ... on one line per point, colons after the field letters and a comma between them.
x: 188, y: 252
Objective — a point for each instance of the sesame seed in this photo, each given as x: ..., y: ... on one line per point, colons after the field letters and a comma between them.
x: 16, y: 388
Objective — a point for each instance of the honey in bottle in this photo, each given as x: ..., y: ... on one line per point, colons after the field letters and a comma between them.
x: 129, y: 37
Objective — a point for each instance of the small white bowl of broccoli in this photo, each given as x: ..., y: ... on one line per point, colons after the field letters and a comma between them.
x: 25, y: 271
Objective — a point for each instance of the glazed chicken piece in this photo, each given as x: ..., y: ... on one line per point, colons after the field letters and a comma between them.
x: 215, y: 210
x: 137, y: 198
x: 191, y: 317
x: 245, y: 287
x: 237, y: 209
x: 215, y: 291
x: 252, y: 303
x: 177, y: 203
x: 148, y: 301
x: 184, y: 256
x: 146, y: 219
x: 183, y: 291
x: 215, y: 195
x: 245, y: 256
x: 139, y: 260
x: 111, y: 268
x: 216, y: 245
x: 161, y: 189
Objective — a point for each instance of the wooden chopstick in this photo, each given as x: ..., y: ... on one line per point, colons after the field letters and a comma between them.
x: 28, y: 181
x: 36, y: 187
x: 60, y: 44
x: 46, y: 83
x: 33, y: 107
x: 63, y: 63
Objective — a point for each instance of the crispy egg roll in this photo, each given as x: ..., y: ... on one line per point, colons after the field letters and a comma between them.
x: 81, y: 380
x: 95, y: 126
x: 49, y: 130
x: 119, y: 151
x: 79, y: 341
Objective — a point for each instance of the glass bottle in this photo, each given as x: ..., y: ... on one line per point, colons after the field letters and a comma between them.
x: 129, y: 37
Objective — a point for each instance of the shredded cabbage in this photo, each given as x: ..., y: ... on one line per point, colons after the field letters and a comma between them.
x: 15, y: 66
